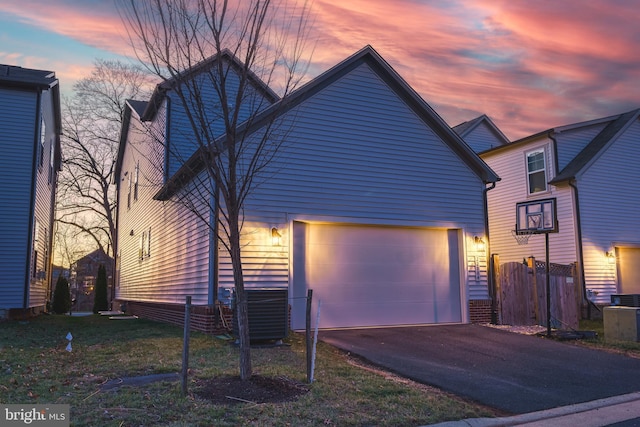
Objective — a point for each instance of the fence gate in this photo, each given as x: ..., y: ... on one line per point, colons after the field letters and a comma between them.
x: 521, y: 292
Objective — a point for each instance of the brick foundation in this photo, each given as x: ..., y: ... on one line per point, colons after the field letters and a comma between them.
x: 21, y: 313
x: 480, y: 311
x: 203, y: 318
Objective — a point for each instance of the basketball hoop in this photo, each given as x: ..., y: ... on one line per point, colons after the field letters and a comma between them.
x: 522, y: 236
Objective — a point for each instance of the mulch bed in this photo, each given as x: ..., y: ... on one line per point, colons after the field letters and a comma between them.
x: 230, y: 390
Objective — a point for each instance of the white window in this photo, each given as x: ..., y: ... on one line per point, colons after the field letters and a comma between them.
x: 129, y: 191
x: 144, y: 249
x: 536, y: 171
x: 136, y: 177
x: 43, y: 136
x: 51, y: 160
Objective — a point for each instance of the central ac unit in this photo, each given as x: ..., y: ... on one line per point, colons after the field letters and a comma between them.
x: 268, y: 314
x: 626, y: 300
x: 621, y: 323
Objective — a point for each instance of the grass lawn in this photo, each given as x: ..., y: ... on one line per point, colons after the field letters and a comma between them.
x: 36, y: 368
x: 628, y: 348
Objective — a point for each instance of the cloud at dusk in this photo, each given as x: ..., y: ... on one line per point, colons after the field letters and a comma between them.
x: 527, y: 65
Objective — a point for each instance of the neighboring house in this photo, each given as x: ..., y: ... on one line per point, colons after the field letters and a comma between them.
x: 372, y: 201
x: 30, y: 128
x: 84, y: 273
x: 57, y: 271
x: 481, y: 134
x: 590, y: 169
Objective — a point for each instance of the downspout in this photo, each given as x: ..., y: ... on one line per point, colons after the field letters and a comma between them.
x: 214, y: 256
x: 214, y: 266
x: 579, y: 242
x: 115, y: 280
x: 490, y: 281
x: 52, y: 225
x: 167, y: 137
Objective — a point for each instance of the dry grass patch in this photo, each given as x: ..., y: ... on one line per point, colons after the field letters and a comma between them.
x: 35, y: 368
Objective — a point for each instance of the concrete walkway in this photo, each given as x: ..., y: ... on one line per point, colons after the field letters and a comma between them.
x: 621, y: 410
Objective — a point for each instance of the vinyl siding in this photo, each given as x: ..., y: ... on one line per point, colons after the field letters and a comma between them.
x: 178, y: 261
x: 182, y: 142
x: 609, y: 209
x: 355, y: 153
x: 44, y: 205
x: 571, y: 142
x: 510, y: 165
x: 17, y: 132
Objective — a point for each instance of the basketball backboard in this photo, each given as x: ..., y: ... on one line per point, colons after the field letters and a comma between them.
x: 536, y: 216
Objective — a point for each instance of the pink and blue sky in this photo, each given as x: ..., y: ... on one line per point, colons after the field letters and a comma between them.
x: 529, y: 65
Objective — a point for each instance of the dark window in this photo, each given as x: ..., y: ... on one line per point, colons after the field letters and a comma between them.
x: 536, y: 171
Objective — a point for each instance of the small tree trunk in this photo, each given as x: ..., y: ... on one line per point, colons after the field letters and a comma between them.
x: 241, y: 302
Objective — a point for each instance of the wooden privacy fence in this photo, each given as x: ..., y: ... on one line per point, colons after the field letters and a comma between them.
x: 521, y: 291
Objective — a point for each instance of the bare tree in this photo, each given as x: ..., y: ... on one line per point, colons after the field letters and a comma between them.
x: 92, y: 121
x: 176, y: 39
x: 69, y: 245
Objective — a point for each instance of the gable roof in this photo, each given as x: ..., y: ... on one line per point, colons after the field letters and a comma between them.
x: 592, y: 150
x: 138, y: 106
x: 11, y: 75
x: 29, y: 79
x: 368, y: 56
x: 130, y: 106
x: 465, y: 128
x: 616, y: 124
x: 161, y: 89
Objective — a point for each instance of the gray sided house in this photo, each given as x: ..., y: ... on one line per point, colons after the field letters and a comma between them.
x: 590, y: 169
x: 481, y: 134
x: 30, y: 128
x: 372, y: 201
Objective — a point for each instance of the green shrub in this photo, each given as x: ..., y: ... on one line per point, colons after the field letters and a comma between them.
x: 61, y: 296
x: 100, y: 300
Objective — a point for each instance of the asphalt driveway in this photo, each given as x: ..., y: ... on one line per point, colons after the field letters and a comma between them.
x: 512, y: 372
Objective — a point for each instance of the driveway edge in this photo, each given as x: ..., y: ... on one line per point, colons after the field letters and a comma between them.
x: 555, y: 413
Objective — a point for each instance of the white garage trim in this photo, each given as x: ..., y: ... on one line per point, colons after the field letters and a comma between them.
x: 628, y: 260
x: 370, y: 275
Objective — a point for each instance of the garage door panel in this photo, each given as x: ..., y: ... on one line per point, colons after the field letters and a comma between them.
x: 629, y: 270
x: 375, y: 276
x: 375, y: 314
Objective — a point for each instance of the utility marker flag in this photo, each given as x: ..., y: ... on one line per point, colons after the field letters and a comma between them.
x: 69, y: 338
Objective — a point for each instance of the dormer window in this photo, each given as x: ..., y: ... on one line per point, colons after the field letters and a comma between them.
x: 536, y: 171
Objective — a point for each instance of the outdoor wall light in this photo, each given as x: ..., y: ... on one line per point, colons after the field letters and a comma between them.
x: 611, y: 257
x: 479, y: 243
x: 276, y: 237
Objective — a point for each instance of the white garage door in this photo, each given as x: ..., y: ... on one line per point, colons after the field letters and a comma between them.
x: 375, y: 276
x: 629, y: 270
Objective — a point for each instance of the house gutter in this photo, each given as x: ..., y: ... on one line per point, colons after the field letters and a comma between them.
x: 214, y: 258
x: 490, y: 279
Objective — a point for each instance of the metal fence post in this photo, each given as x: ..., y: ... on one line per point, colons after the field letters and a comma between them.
x: 185, y: 345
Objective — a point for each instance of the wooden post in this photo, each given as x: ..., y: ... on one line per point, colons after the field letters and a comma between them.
x: 308, y: 337
x: 496, y: 298
x: 185, y: 345
x: 531, y: 263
